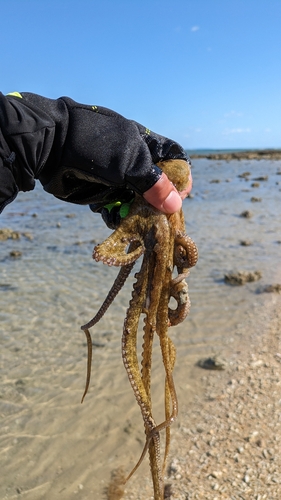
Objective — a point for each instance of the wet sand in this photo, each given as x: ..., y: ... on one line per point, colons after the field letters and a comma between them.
x: 226, y: 444
x: 225, y: 441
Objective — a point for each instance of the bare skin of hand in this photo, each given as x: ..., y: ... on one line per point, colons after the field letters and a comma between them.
x: 164, y: 196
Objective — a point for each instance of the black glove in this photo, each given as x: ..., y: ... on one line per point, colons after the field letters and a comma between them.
x: 81, y: 154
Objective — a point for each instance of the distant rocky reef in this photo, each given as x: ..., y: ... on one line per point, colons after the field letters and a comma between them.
x: 259, y: 154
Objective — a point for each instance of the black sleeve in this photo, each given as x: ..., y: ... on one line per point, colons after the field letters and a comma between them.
x: 82, y: 154
x: 28, y: 135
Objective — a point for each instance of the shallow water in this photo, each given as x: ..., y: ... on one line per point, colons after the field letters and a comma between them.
x: 51, y: 446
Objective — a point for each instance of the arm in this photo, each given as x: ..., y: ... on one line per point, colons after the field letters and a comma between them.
x: 83, y: 154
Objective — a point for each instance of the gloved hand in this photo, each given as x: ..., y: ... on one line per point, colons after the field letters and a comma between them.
x: 112, y: 213
x: 105, y: 156
x: 83, y: 154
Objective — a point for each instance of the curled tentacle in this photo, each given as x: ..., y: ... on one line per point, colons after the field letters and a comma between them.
x: 120, y: 257
x: 185, y: 251
x: 180, y: 293
x: 133, y: 228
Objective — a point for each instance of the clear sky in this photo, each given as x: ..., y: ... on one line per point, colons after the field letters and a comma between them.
x: 206, y: 73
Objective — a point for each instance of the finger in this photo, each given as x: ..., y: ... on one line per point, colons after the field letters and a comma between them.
x: 164, y: 196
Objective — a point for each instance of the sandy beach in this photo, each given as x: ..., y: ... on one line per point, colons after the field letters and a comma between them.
x: 226, y: 441
x: 226, y: 444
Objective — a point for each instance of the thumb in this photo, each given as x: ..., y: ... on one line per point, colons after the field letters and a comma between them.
x: 164, y: 196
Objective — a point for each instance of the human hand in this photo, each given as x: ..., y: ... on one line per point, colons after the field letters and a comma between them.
x: 164, y: 196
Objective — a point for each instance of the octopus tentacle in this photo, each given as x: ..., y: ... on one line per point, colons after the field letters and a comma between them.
x: 156, y: 271
x: 155, y: 466
x: 129, y: 347
x: 89, y: 361
x: 159, y: 296
x: 152, y: 295
x: 179, y: 278
x: 148, y: 333
x: 146, y: 378
x: 113, y: 250
x: 185, y: 252
x: 129, y: 355
x: 180, y: 292
x: 168, y: 355
x: 172, y: 352
x: 165, y: 246
x: 117, y: 285
x: 140, y: 460
x: 115, y: 289
x: 120, y: 257
x: 173, y: 416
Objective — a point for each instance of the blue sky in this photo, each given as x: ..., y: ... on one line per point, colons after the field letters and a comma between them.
x: 206, y: 73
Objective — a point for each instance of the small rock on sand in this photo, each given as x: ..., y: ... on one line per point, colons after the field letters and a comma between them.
x: 274, y: 288
x: 212, y: 363
x: 15, y: 254
x: 245, y: 243
x: 246, y: 214
x: 242, y: 277
x: 6, y: 233
x: 255, y: 199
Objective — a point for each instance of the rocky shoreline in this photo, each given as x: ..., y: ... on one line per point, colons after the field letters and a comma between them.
x: 259, y: 154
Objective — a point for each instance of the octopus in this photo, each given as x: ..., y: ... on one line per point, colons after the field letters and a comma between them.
x: 167, y: 254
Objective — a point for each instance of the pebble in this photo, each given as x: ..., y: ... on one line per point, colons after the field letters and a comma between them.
x: 246, y: 214
x: 15, y: 254
x: 242, y: 277
x: 245, y: 243
x: 275, y: 288
x: 6, y: 233
x: 244, y: 175
x: 216, y: 474
x: 257, y: 363
x: 254, y: 199
x: 261, y: 178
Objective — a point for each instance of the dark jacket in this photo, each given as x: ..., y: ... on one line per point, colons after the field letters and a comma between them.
x: 81, y: 154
